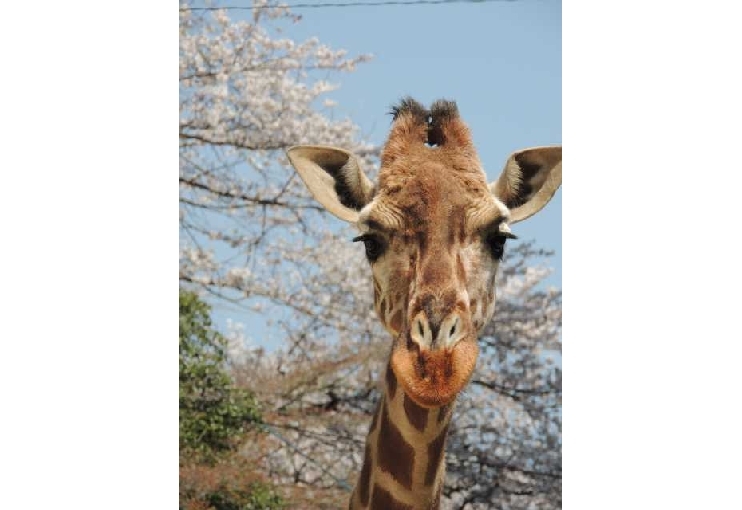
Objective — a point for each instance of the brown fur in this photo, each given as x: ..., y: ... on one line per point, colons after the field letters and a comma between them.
x: 437, y: 500
x: 410, y: 128
x: 434, y: 378
x: 395, y: 455
x: 372, y: 427
x: 443, y: 412
x: 447, y: 129
x: 416, y: 415
x: 433, y: 212
x: 383, y: 500
x: 431, y: 201
x: 365, y: 479
x: 391, y: 382
x: 435, y: 454
x: 396, y: 322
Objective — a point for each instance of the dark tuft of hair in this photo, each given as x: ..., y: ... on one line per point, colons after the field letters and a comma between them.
x: 441, y: 112
x: 409, y: 105
x: 444, y: 109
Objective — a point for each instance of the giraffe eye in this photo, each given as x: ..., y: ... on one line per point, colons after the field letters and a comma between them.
x: 374, y: 246
x: 496, y: 243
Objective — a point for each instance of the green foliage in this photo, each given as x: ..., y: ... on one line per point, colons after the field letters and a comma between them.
x: 228, y: 485
x: 213, y: 416
x: 257, y: 496
x: 213, y: 413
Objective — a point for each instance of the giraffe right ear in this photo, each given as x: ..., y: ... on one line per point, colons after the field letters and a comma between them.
x: 334, y: 177
x: 529, y: 180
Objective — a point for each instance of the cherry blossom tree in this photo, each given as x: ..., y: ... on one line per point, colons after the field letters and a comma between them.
x: 246, y: 95
x: 251, y: 235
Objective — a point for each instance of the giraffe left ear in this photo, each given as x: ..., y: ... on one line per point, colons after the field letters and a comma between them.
x: 334, y: 177
x: 529, y: 180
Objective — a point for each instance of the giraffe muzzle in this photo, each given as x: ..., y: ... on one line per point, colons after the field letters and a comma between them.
x: 433, y: 375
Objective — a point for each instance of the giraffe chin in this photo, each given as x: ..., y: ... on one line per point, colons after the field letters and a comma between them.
x: 433, y: 378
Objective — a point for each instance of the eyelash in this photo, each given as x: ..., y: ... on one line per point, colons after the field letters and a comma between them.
x: 373, y: 244
x: 496, y: 243
x: 375, y: 247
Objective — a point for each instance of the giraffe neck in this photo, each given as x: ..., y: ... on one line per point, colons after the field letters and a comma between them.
x: 404, y: 465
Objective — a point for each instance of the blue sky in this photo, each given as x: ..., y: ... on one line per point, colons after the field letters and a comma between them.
x: 500, y: 61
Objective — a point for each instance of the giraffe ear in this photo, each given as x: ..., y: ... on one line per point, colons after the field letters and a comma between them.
x: 334, y: 177
x: 529, y: 180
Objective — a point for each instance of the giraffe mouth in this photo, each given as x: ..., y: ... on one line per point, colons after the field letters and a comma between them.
x: 434, y: 377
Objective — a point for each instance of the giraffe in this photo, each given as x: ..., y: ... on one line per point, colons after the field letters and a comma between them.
x: 434, y: 231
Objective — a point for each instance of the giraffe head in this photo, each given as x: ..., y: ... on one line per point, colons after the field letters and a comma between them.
x: 434, y: 232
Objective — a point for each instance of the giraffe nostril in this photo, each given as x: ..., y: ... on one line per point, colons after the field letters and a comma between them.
x: 453, y: 328
x: 420, y: 328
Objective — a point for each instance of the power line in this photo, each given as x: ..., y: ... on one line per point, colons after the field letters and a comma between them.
x: 344, y: 4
